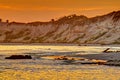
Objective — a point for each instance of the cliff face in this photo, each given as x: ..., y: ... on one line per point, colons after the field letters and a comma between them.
x: 69, y: 29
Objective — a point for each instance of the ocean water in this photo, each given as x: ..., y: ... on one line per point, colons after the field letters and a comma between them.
x: 38, y: 68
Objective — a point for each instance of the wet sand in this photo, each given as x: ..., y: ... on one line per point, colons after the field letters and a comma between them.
x: 101, y: 56
x: 61, y: 75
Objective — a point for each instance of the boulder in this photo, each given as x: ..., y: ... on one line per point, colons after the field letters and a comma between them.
x: 19, y: 57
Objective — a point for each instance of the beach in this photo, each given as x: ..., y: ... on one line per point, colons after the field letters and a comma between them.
x: 43, y: 65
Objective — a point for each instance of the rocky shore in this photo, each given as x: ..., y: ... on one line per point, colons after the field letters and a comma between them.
x: 111, y: 59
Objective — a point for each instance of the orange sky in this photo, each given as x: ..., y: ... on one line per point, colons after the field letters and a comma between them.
x: 45, y: 10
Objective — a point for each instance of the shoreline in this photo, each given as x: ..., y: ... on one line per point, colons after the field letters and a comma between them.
x: 60, y: 44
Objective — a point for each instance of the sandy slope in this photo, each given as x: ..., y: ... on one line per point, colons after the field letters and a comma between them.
x: 103, y: 29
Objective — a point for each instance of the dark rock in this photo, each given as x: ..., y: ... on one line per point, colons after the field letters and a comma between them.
x: 99, y: 62
x: 88, y: 63
x: 112, y: 64
x: 19, y: 57
x: 107, y: 51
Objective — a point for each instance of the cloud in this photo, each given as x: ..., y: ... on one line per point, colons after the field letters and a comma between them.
x: 45, y: 8
x: 5, y: 7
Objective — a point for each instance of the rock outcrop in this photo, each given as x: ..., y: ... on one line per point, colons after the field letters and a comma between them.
x: 19, y: 57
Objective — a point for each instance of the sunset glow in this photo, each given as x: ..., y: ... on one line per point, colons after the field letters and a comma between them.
x: 45, y: 10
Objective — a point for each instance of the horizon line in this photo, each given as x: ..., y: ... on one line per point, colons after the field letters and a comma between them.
x: 8, y: 21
